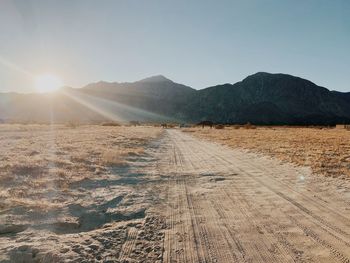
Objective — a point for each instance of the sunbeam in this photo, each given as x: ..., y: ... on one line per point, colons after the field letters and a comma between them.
x: 13, y: 66
x: 91, y: 106
x: 114, y: 110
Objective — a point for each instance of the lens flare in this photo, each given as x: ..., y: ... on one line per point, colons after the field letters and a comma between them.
x: 47, y: 83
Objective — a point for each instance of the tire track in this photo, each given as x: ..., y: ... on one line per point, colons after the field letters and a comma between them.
x: 290, y: 186
x: 263, y: 180
x: 218, y: 203
x: 129, y: 244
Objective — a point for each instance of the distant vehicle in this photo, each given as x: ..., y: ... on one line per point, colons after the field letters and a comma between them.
x: 206, y: 123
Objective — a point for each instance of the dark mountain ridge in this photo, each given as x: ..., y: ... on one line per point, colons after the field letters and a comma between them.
x: 261, y: 98
x: 265, y: 98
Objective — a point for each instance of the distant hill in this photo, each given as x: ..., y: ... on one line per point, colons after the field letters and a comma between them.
x: 265, y: 98
x: 153, y: 99
x: 156, y: 94
x: 261, y: 98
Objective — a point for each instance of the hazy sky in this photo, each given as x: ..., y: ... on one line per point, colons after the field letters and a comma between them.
x: 198, y: 43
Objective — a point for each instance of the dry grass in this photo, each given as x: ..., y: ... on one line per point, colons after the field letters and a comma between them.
x: 118, y: 156
x: 61, y: 185
x: 219, y: 127
x: 38, y: 163
x: 113, y: 124
x: 326, y: 151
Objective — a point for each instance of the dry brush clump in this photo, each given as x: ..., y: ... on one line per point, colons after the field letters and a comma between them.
x: 249, y: 126
x: 326, y: 151
x: 219, y: 127
x: 118, y: 156
x: 113, y: 124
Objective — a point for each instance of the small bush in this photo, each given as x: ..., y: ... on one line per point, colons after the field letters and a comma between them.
x: 110, y: 124
x: 249, y: 126
x: 72, y: 124
x: 219, y: 127
x: 135, y: 123
x: 111, y: 157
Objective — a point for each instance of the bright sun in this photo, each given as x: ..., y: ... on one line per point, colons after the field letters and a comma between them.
x: 47, y: 83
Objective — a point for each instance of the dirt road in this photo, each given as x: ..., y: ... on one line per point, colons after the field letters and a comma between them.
x: 227, y: 205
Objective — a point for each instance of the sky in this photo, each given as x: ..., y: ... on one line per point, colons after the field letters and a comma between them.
x: 198, y: 43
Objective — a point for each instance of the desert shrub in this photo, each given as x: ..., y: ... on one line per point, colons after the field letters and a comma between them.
x: 72, y: 124
x: 111, y: 157
x: 249, y: 126
x: 135, y: 123
x: 118, y: 156
x: 26, y: 169
x: 110, y: 124
x: 219, y: 127
x: 134, y: 151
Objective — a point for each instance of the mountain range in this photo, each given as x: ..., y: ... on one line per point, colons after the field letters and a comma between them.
x: 261, y: 98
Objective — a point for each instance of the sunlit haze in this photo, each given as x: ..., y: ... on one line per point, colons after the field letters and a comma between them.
x: 198, y: 43
x: 47, y: 83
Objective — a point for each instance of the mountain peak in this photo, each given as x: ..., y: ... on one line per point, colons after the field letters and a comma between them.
x: 262, y: 74
x: 156, y: 79
x: 285, y: 78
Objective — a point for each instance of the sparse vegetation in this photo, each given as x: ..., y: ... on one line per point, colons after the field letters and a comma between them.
x: 72, y: 124
x: 326, y: 151
x: 113, y: 124
x: 135, y: 123
x: 219, y: 127
x: 67, y: 179
x: 37, y: 160
x: 249, y: 126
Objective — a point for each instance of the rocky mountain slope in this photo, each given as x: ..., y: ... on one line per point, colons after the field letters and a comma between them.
x: 265, y: 98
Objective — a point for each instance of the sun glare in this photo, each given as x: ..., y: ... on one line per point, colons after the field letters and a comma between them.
x: 47, y: 83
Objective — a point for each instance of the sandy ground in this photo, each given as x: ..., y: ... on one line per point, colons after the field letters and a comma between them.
x: 188, y: 200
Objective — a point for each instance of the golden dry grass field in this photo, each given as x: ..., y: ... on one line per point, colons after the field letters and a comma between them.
x: 326, y: 150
